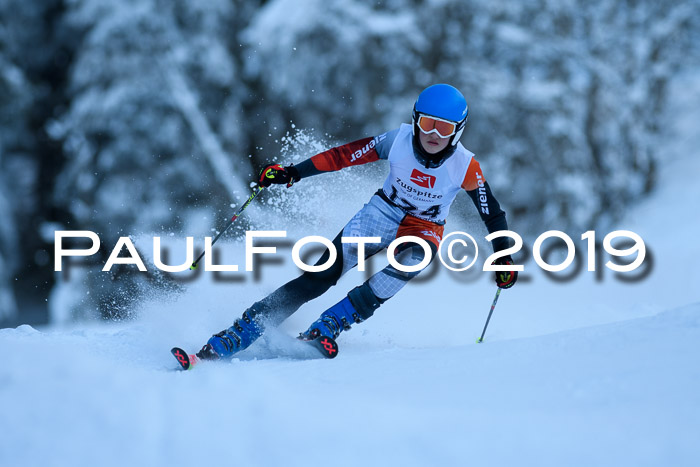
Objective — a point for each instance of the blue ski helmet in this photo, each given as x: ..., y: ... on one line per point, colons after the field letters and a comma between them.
x: 445, y: 102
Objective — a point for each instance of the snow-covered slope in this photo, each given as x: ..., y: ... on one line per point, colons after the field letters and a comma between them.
x: 617, y: 394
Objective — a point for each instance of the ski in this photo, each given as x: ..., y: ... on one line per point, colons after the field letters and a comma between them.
x: 326, y: 346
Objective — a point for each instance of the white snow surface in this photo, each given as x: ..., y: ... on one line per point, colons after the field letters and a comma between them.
x: 578, y: 373
x: 616, y: 394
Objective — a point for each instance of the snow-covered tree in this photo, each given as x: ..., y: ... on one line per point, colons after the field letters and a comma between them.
x: 567, y: 99
x: 564, y: 95
x: 34, y: 54
x: 153, y: 127
x: 342, y: 67
x: 17, y: 169
x: 8, y: 245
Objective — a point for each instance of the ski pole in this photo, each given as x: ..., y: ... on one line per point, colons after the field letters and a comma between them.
x: 493, y: 305
x: 252, y: 196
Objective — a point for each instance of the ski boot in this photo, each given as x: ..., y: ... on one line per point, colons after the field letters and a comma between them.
x: 357, y: 306
x: 232, y: 340
x: 333, y: 321
x: 322, y: 332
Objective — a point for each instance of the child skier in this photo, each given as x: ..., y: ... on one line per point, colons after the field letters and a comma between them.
x: 428, y: 166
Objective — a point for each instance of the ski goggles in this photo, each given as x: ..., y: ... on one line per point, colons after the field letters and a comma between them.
x: 444, y: 128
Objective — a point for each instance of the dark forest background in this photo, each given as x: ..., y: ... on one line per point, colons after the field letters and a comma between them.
x: 126, y: 117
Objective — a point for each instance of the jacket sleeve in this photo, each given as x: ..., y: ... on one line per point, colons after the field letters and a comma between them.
x: 486, y: 203
x: 358, y: 152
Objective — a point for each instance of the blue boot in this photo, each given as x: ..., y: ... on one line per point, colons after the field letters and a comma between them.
x: 333, y: 321
x: 232, y: 340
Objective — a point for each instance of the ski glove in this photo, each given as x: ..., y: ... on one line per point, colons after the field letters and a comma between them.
x: 505, y: 279
x: 278, y: 175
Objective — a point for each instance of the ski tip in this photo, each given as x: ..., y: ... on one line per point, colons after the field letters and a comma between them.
x: 327, y: 346
x: 324, y: 344
x: 182, y: 358
x: 479, y: 340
